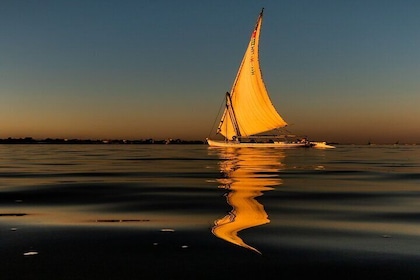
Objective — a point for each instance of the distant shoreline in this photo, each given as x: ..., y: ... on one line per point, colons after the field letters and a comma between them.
x: 30, y: 140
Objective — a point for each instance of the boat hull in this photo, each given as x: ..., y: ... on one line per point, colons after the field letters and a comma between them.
x: 284, y: 145
x: 321, y: 145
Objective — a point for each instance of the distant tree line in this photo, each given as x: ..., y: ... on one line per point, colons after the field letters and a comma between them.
x: 30, y: 140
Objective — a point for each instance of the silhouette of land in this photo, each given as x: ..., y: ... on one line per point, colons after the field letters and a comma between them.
x: 30, y: 140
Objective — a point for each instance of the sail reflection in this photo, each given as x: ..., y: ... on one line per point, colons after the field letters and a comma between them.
x: 247, y: 173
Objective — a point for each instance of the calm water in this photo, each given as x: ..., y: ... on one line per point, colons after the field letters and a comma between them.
x: 175, y: 211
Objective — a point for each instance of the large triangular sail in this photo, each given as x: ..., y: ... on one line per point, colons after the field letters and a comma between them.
x: 249, y: 110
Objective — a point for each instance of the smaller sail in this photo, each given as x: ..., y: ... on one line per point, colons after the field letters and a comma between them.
x: 251, y: 110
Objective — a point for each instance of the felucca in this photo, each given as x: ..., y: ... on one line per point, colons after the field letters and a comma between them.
x: 249, y: 113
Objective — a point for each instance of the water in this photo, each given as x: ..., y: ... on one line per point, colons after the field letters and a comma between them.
x: 193, y: 212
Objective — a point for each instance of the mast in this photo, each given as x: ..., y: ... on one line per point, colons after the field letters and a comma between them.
x: 232, y: 114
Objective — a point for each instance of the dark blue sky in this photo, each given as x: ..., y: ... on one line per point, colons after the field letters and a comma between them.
x: 344, y: 71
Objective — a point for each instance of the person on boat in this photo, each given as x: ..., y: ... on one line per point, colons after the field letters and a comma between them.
x: 304, y: 140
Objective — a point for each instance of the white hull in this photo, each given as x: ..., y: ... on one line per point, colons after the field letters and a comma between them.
x: 321, y: 145
x: 285, y: 145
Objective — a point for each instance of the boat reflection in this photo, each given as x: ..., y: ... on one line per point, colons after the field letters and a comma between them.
x: 247, y: 173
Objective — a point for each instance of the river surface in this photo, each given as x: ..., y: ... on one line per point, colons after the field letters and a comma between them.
x: 194, y: 212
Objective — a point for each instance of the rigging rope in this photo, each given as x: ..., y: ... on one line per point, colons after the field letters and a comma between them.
x: 217, y: 117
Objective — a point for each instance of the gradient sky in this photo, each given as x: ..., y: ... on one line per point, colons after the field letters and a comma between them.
x: 342, y: 71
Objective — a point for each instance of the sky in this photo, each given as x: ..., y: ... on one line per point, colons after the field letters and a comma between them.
x: 339, y: 71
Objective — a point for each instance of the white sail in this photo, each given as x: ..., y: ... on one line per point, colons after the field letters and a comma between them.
x: 249, y: 109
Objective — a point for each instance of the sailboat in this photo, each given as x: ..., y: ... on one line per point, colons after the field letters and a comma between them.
x: 249, y: 113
